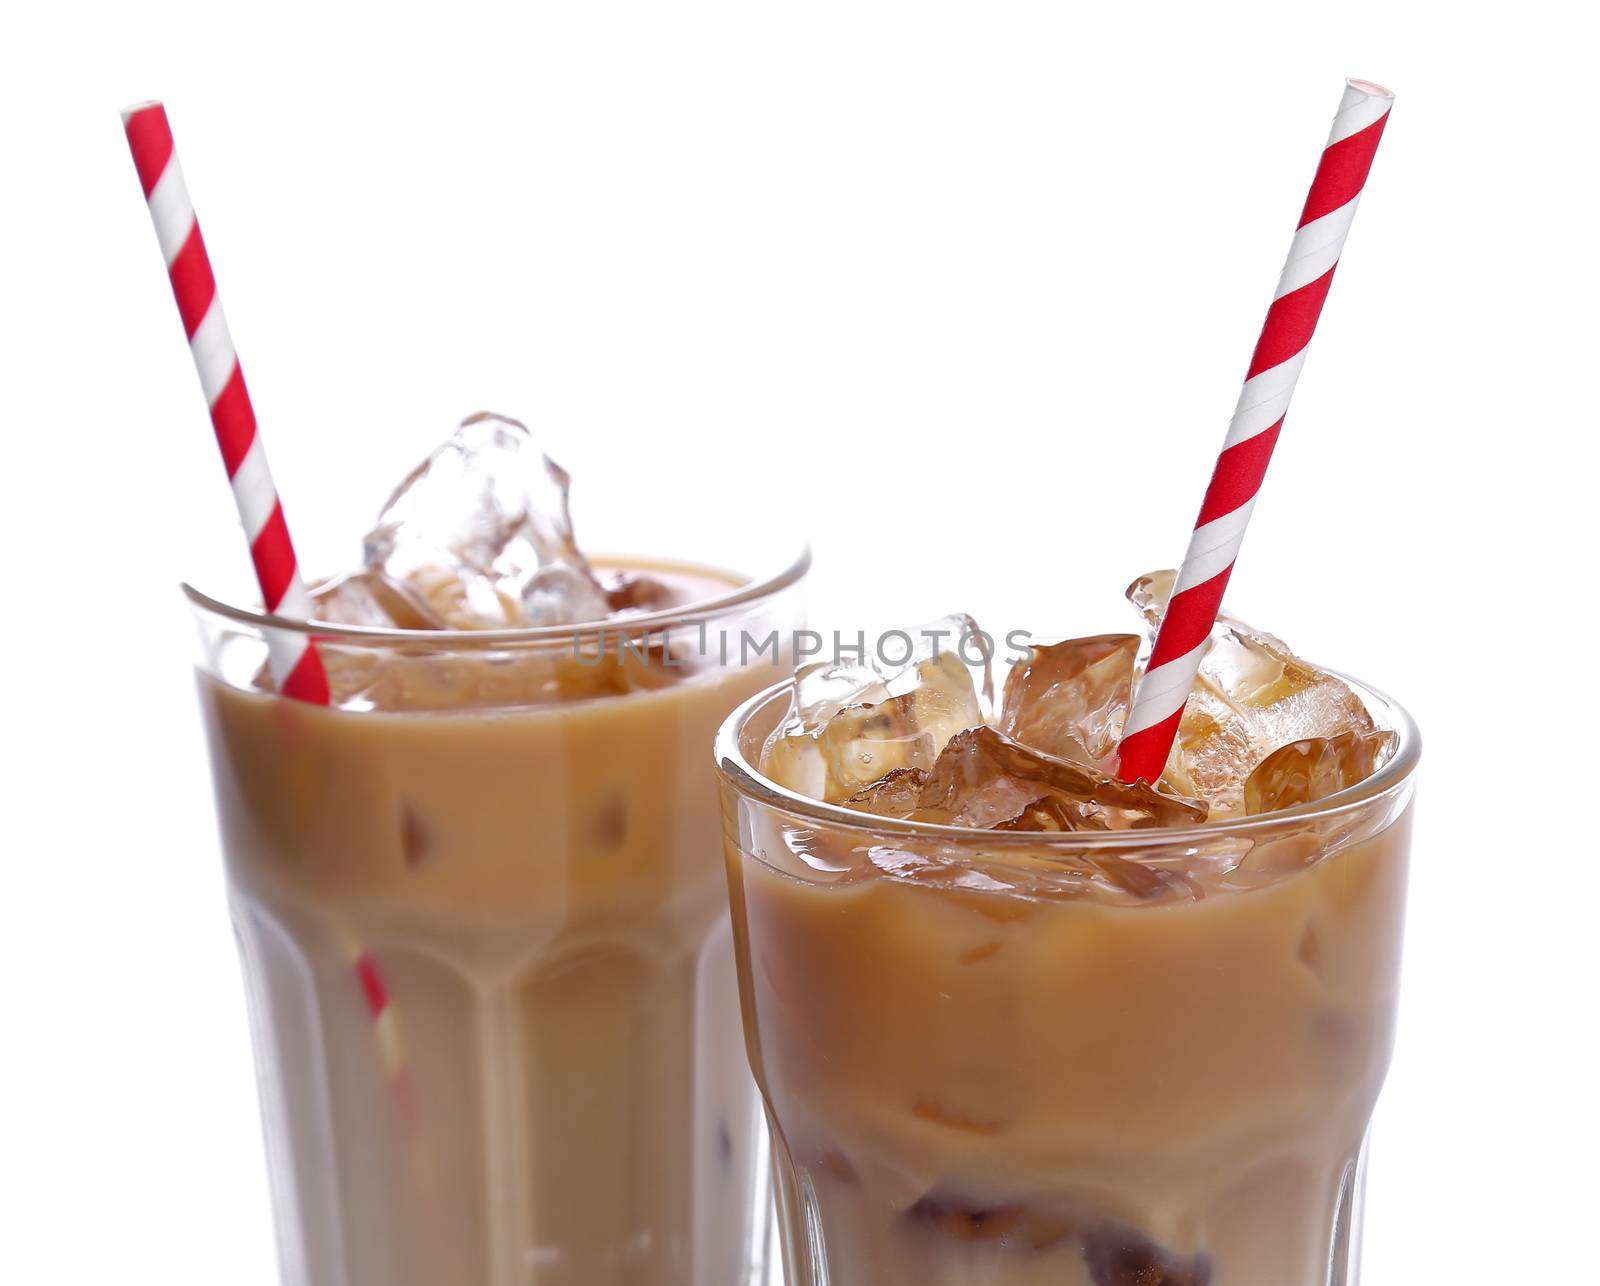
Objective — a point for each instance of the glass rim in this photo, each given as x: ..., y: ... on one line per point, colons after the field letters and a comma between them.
x: 735, y: 770
x: 755, y: 590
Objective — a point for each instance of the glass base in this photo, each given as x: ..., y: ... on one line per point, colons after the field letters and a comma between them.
x: 816, y: 1233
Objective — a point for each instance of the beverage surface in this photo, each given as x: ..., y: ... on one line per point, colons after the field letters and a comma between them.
x: 925, y: 740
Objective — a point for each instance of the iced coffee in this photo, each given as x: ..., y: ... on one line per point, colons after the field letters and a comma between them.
x: 480, y: 898
x: 1019, y: 1023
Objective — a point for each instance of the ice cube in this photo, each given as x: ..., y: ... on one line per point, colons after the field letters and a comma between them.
x: 637, y: 592
x: 476, y: 528
x: 986, y: 779
x: 893, y: 795
x: 561, y: 594
x: 1252, y: 696
x: 1305, y: 771
x: 1149, y: 595
x: 462, y: 598
x: 356, y: 673
x: 368, y: 598
x: 863, y: 742
x: 1070, y: 699
x: 852, y: 722
x: 349, y: 600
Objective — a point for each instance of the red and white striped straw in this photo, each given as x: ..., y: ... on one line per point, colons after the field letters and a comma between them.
x: 296, y: 666
x: 1280, y: 352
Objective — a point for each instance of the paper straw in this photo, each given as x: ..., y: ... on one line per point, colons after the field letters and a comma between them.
x: 295, y: 663
x: 1303, y: 286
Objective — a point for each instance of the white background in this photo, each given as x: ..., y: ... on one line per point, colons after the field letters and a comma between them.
x: 963, y: 292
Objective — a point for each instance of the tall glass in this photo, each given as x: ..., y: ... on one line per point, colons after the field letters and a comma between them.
x: 1142, y: 1058
x: 486, y: 944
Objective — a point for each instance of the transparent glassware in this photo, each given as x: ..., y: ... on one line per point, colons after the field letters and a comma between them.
x: 486, y: 944
x: 1137, y: 1058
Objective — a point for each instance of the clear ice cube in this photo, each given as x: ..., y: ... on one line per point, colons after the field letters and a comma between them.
x: 1251, y: 697
x: 1149, y: 595
x: 638, y: 592
x: 480, y: 533
x: 1070, y: 699
x: 1305, y: 771
x: 853, y: 722
x: 985, y: 779
x: 369, y: 598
